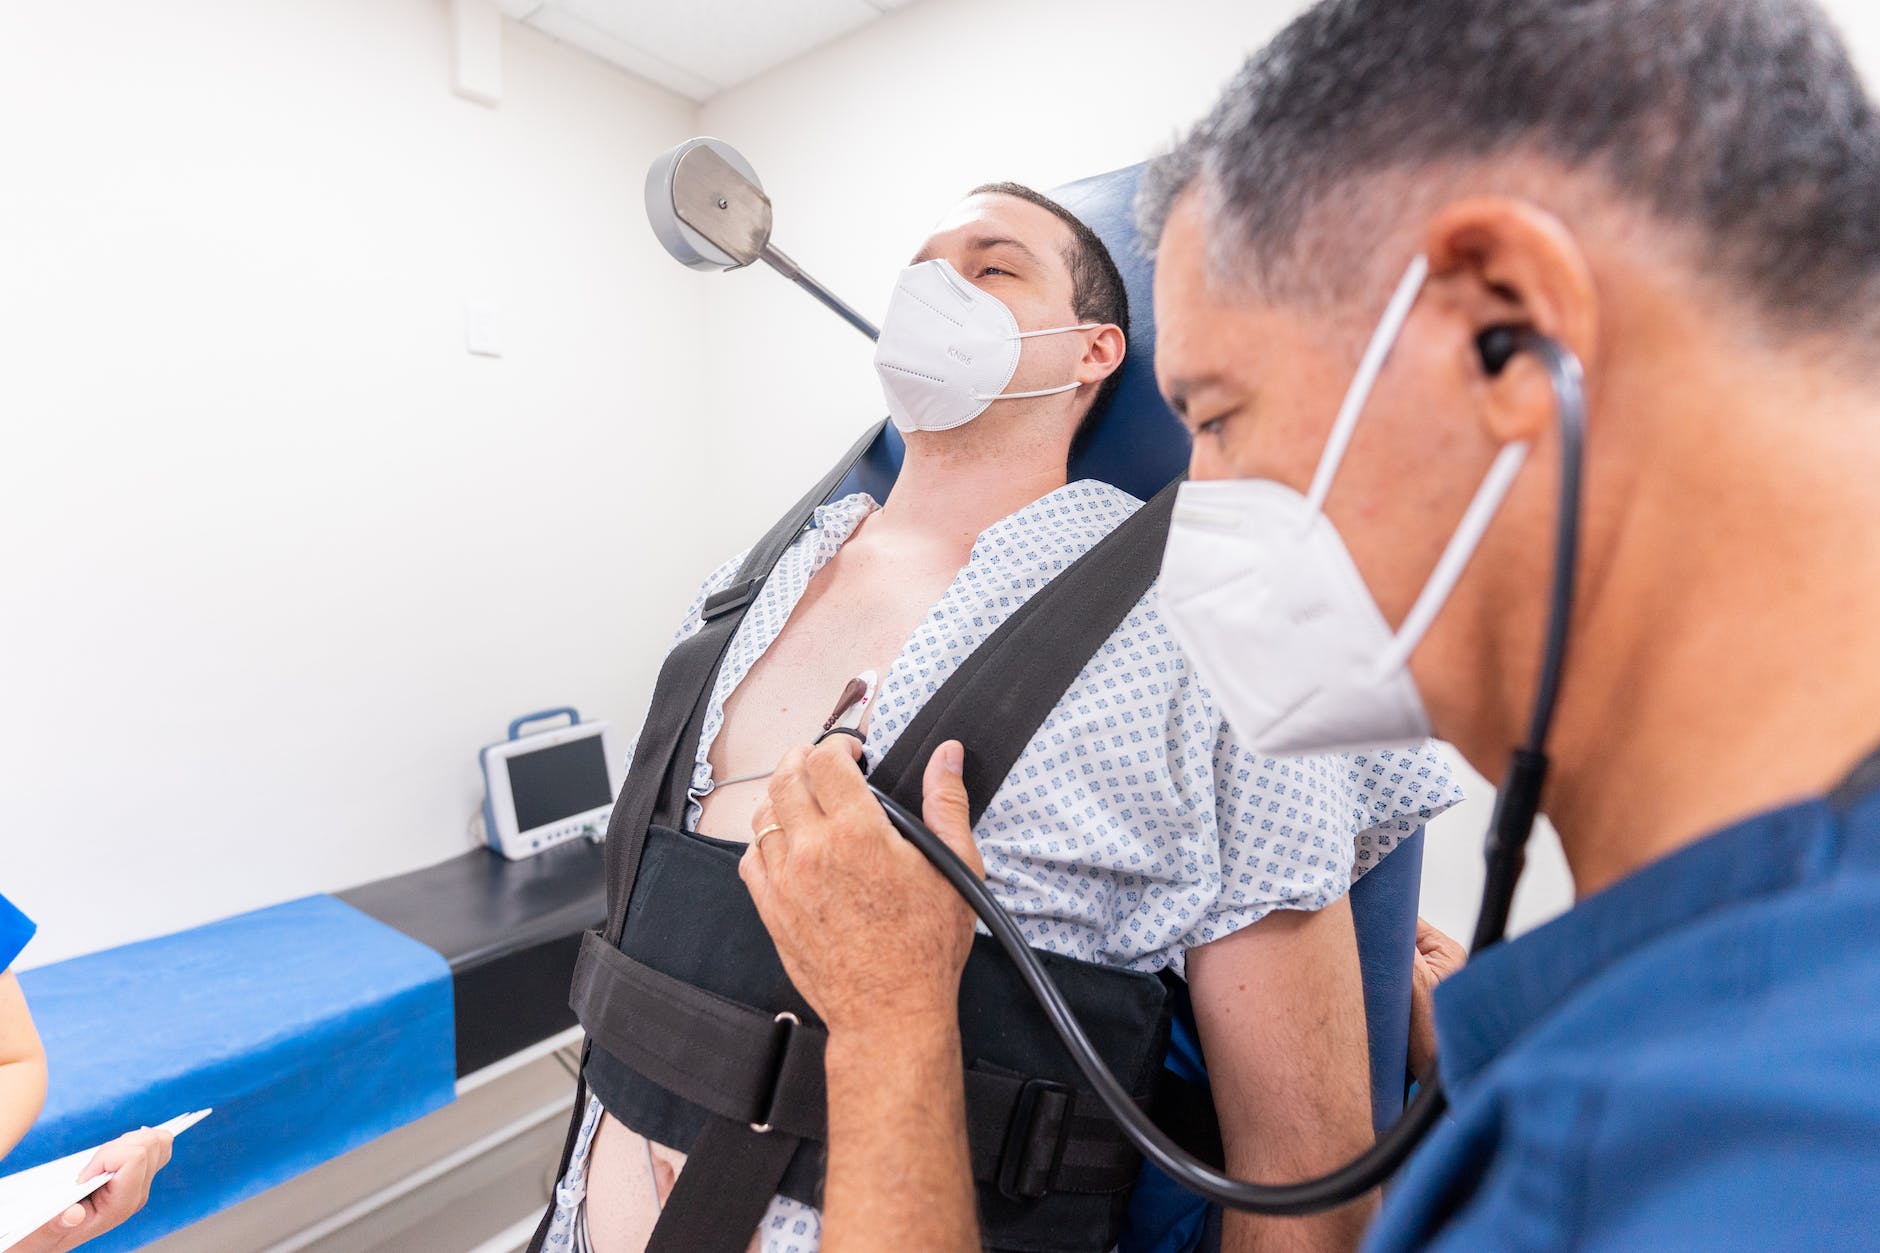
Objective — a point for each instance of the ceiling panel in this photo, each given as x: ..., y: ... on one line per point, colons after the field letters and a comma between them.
x: 698, y: 47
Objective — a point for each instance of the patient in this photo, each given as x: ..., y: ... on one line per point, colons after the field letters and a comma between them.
x: 1134, y: 830
x: 131, y: 1160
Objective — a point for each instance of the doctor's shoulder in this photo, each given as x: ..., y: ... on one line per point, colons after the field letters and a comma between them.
x: 1712, y: 1089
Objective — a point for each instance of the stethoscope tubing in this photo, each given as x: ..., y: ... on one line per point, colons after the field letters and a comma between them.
x: 1517, y: 806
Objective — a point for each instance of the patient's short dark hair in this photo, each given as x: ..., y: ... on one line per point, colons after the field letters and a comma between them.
x: 1740, y: 121
x: 1097, y: 290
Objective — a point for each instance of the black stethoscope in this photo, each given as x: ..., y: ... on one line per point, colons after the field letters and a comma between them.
x: 1516, y: 805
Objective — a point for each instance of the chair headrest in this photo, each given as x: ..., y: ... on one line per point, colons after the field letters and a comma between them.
x: 1134, y: 442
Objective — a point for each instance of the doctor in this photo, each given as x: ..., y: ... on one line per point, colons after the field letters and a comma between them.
x: 1681, y: 195
x: 133, y: 1159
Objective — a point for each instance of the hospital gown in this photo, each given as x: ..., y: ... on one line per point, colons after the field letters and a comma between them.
x: 1134, y: 826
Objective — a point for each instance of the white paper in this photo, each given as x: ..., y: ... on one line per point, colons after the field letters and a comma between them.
x: 32, y: 1198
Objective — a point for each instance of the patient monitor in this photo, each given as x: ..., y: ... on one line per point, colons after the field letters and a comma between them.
x: 549, y: 787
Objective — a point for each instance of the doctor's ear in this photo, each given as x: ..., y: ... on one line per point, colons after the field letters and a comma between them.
x: 1508, y: 269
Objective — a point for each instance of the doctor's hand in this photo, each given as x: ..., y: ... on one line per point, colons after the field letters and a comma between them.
x: 1437, y: 957
x: 132, y: 1160
x: 869, y: 932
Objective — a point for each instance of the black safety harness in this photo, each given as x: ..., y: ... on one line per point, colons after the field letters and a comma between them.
x: 697, y: 1040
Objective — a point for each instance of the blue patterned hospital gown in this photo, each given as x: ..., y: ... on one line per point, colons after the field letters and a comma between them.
x: 1134, y: 826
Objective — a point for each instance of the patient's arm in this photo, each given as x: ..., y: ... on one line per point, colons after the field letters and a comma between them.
x: 1437, y: 957
x: 22, y: 1066
x: 1280, y: 1007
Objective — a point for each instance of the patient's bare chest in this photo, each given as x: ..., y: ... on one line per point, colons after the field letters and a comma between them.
x: 856, y: 615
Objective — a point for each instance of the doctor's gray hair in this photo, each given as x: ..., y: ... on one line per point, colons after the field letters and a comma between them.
x: 1741, y: 123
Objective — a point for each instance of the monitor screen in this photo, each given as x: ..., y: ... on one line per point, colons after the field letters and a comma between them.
x: 554, y: 783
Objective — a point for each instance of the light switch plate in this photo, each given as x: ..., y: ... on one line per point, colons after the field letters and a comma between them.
x: 480, y: 332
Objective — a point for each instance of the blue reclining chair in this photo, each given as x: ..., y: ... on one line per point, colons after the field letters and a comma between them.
x: 1137, y: 444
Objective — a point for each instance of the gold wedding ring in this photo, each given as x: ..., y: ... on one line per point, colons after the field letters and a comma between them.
x: 758, y: 842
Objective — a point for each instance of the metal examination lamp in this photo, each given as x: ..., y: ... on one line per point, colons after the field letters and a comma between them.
x: 710, y: 212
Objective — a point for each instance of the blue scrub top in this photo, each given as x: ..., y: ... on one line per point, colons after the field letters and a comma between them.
x: 15, y: 930
x: 1690, y: 1059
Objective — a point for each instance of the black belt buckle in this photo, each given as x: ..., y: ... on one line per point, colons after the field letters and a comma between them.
x: 789, y: 1022
x: 736, y: 596
x: 1034, y: 1140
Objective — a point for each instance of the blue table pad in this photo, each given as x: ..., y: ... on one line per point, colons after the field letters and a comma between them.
x: 310, y: 1027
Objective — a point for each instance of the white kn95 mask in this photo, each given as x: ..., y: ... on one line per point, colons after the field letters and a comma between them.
x: 947, y: 350
x: 1264, y: 597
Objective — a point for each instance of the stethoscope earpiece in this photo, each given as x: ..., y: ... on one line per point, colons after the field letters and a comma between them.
x: 1498, y: 345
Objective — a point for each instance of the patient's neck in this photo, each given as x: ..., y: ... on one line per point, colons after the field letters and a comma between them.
x: 953, y: 484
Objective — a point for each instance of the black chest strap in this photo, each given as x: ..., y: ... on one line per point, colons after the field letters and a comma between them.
x: 655, y: 785
x: 675, y: 716
x: 994, y: 704
x: 997, y: 699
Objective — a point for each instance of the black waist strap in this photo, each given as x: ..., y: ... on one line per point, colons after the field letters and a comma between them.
x: 738, y: 1062
x: 1027, y: 1135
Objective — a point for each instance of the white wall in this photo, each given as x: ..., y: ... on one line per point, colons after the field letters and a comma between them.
x: 276, y: 555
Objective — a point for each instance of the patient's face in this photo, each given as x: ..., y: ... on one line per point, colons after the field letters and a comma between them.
x: 1016, y: 251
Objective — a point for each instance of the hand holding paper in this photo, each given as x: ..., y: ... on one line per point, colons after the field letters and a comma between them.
x: 61, y: 1205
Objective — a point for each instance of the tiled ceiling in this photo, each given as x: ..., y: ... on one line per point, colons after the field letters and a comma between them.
x: 697, y: 48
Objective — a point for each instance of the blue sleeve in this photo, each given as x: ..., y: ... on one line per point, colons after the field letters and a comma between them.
x: 15, y: 930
